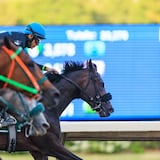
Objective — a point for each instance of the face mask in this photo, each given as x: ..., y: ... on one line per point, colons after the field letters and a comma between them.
x: 30, y: 40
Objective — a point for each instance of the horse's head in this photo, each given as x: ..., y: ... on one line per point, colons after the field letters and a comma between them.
x: 85, y: 83
x: 26, y: 111
x: 20, y: 73
x: 94, y: 91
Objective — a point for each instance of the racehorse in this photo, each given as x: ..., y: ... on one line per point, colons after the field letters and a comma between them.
x: 25, y: 110
x: 76, y: 81
x: 19, y: 72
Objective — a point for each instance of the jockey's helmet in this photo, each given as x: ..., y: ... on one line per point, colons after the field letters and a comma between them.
x: 36, y: 29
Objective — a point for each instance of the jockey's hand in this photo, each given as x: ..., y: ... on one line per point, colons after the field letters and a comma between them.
x: 52, y: 70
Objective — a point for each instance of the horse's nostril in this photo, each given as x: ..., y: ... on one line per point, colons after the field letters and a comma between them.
x: 111, y: 110
x: 57, y: 95
x: 45, y: 125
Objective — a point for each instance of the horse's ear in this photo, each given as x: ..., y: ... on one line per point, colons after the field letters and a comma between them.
x: 92, y: 67
x: 90, y: 63
x: 7, y: 42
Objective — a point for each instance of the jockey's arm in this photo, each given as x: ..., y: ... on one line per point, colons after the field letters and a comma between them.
x: 45, y: 68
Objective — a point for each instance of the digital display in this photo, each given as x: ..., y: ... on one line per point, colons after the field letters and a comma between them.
x: 127, y: 57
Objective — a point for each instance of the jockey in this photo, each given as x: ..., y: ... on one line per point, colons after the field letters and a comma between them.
x: 30, y: 38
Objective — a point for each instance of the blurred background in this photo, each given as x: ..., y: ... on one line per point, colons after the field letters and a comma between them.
x: 55, y: 12
x: 138, y: 15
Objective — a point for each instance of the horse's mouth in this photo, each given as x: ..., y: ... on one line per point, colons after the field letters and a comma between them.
x: 34, y: 131
x: 103, y: 113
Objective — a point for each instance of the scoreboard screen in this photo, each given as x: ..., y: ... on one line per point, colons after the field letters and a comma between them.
x: 127, y: 57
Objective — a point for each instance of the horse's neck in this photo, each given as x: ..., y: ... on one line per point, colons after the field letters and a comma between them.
x: 5, y: 63
x: 68, y: 92
x: 67, y: 95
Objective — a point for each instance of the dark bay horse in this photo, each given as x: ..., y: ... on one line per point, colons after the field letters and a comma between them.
x: 76, y: 81
x: 19, y: 72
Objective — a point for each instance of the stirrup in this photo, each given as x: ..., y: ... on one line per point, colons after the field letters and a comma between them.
x: 8, y: 122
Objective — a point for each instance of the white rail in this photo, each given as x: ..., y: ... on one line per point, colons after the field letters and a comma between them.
x: 110, y: 130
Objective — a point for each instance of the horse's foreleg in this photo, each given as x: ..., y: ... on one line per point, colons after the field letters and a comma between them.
x: 61, y: 153
x: 38, y: 155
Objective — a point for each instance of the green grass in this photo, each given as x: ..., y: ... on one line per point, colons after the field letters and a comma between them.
x: 154, y: 155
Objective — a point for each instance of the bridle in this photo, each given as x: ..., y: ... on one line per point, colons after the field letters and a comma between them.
x: 35, y: 90
x: 97, y: 99
x: 26, y: 115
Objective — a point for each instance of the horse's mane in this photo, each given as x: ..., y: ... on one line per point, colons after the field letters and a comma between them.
x: 71, y: 66
x: 5, y: 41
x: 68, y: 67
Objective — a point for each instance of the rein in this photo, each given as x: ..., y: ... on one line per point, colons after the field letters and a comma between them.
x: 14, y: 58
x: 25, y: 117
